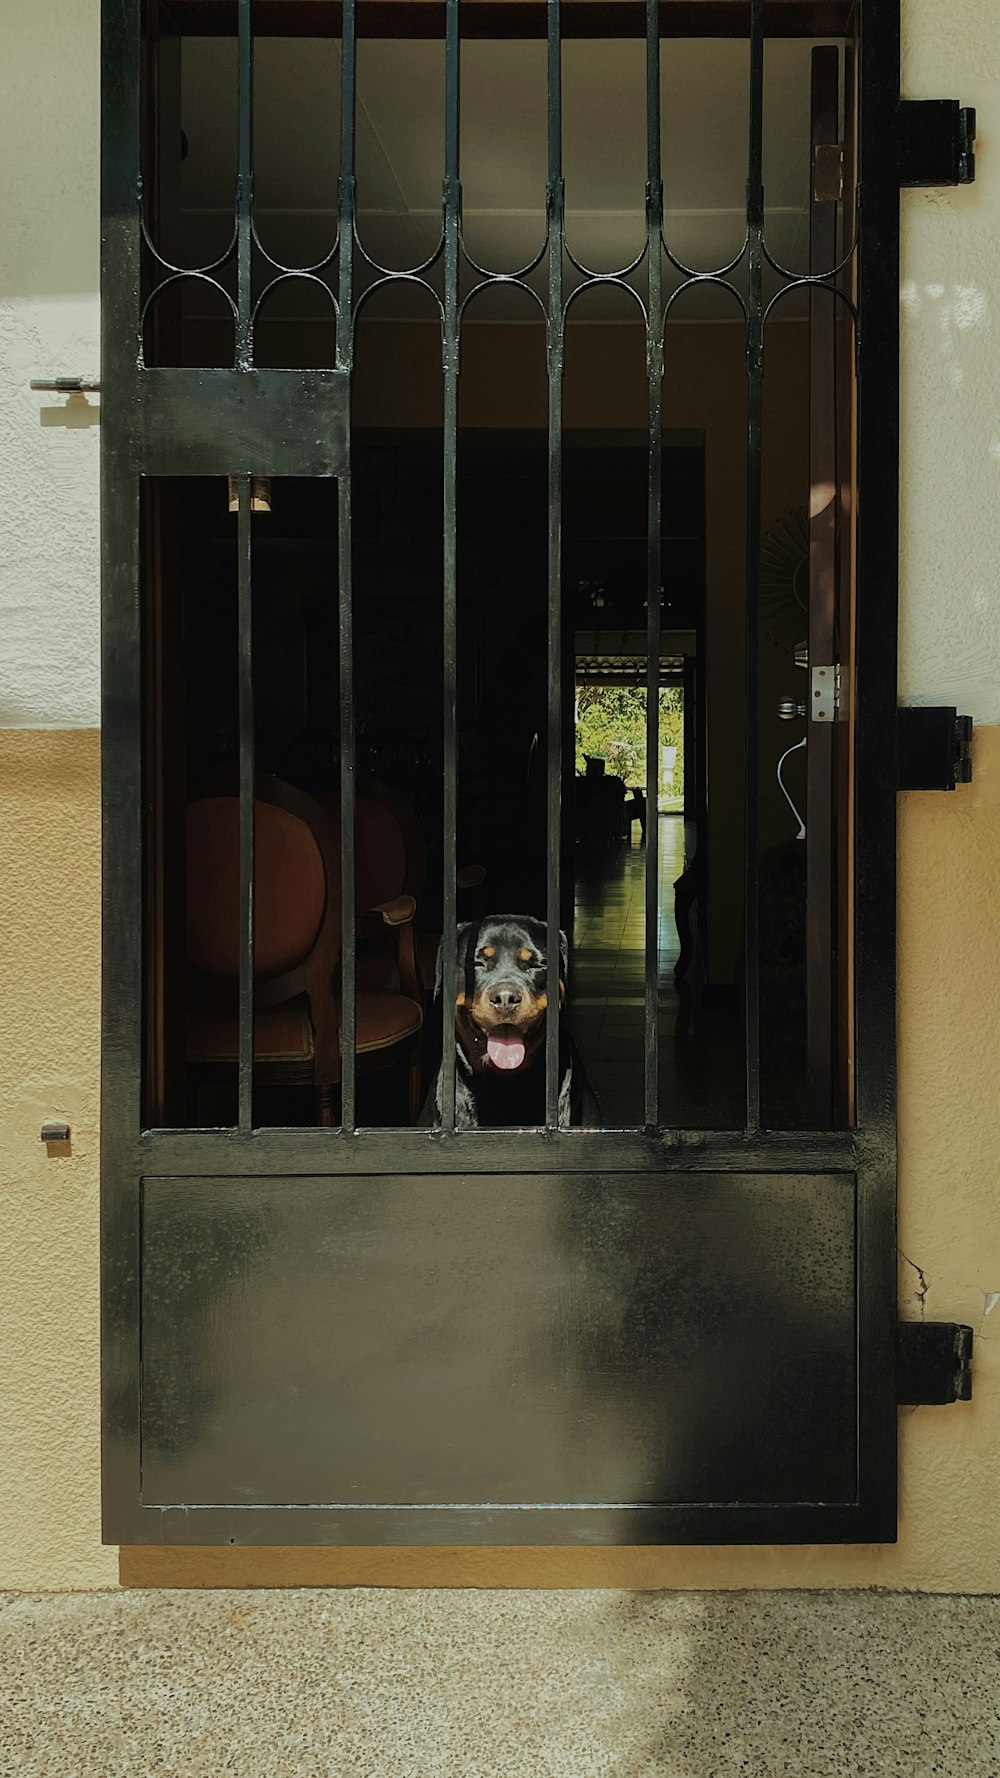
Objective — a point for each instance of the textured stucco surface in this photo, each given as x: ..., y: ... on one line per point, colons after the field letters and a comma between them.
x: 950, y: 381
x: 50, y: 998
x: 49, y: 326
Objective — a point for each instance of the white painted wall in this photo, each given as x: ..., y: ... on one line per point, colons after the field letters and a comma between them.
x: 950, y: 457
x: 49, y: 244
x: 49, y: 262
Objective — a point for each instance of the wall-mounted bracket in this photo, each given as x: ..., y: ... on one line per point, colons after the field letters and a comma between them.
x: 933, y: 747
x: 933, y: 1363
x: 937, y: 140
x: 65, y: 385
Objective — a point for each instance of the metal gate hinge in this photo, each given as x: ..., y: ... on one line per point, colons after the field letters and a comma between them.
x: 824, y: 687
x: 933, y: 1363
x: 937, y: 139
x: 933, y: 748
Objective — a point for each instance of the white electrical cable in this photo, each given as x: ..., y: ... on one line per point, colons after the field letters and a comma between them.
x: 781, y: 786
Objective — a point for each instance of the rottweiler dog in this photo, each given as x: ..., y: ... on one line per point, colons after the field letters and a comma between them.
x: 500, y: 1006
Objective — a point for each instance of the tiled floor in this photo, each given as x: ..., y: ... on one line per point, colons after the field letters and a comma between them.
x: 608, y: 985
x: 700, y: 1081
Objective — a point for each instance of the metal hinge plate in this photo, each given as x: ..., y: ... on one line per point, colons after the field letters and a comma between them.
x: 937, y: 140
x: 933, y: 748
x: 824, y: 687
x: 933, y: 1363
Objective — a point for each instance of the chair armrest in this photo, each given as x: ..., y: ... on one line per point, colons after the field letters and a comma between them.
x: 398, y: 916
x: 397, y: 912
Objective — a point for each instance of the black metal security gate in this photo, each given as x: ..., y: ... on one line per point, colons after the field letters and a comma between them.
x: 353, y: 1335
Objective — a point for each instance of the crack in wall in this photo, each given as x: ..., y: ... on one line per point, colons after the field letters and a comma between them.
x: 923, y: 1286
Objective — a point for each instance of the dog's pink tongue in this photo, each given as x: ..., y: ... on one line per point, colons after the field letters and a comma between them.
x: 505, y: 1052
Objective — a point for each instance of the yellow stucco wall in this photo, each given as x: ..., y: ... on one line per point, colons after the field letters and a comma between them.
x: 949, y: 1009
x: 49, y: 1067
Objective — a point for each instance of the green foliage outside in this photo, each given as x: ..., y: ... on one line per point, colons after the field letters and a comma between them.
x: 611, y: 724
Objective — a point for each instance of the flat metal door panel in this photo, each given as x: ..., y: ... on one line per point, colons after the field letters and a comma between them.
x: 428, y: 1341
x: 218, y: 422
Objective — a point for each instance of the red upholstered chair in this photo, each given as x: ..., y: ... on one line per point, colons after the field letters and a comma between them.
x: 392, y: 861
x: 297, y: 949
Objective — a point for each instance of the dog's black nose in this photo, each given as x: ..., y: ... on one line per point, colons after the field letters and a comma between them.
x: 505, y: 999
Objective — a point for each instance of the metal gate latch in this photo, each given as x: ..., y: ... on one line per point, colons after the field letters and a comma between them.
x: 65, y: 385
x: 937, y: 139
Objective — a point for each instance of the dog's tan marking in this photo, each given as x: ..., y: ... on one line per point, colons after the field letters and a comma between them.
x: 489, y: 951
x: 524, y: 956
x: 542, y: 1001
x: 562, y: 991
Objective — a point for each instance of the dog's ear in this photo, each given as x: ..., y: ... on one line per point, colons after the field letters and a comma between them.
x: 462, y: 931
x: 563, y: 964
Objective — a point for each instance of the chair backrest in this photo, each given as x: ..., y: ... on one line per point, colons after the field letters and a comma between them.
x: 390, y: 855
x: 382, y: 857
x: 296, y: 891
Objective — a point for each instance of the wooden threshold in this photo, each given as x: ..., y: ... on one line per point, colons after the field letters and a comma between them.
x: 500, y: 1566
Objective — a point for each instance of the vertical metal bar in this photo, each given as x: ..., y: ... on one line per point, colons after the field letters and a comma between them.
x: 162, y: 639
x: 347, y: 197
x: 654, y: 370
x: 122, y: 831
x: 247, y: 774
x: 824, y: 494
x: 755, y: 374
x: 555, y: 199
x: 875, y: 754
x: 844, y: 762
x: 451, y: 200
x: 244, y: 359
x: 244, y: 191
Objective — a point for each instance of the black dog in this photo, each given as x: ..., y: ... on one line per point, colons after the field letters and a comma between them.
x: 500, y: 1005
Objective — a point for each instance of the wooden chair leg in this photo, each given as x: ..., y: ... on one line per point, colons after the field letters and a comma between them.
x: 324, y: 1107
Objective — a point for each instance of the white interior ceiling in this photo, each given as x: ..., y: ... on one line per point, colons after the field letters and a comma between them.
x: 704, y: 100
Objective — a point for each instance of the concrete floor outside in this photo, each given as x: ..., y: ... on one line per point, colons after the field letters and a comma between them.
x: 437, y: 1684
